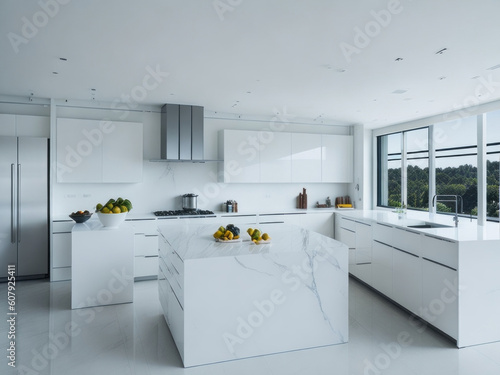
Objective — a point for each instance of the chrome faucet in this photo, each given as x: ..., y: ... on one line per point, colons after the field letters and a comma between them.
x: 450, y: 198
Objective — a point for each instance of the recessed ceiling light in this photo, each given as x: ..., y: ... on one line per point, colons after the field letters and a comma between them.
x: 441, y: 51
x: 398, y: 59
x: 63, y: 59
x: 55, y: 73
x: 92, y: 89
x: 494, y: 67
x: 399, y: 91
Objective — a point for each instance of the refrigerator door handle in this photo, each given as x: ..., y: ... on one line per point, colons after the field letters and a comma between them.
x: 12, y: 206
x: 18, y: 203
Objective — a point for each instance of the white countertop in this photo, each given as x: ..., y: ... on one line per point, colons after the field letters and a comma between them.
x: 194, y: 241
x: 466, y: 231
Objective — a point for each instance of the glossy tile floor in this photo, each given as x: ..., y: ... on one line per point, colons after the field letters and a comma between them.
x: 134, y: 339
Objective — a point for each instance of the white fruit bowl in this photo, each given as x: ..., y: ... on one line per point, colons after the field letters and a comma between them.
x: 112, y: 220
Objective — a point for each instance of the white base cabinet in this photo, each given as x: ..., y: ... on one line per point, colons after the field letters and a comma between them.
x: 145, y: 249
x: 439, y: 297
x: 60, y: 259
x: 415, y: 270
x: 407, y: 280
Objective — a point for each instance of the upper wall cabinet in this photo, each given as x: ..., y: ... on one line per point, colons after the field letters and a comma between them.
x: 22, y: 125
x: 306, y: 157
x: 337, y: 158
x: 275, y: 157
x: 253, y: 156
x: 241, y: 154
x: 93, y: 151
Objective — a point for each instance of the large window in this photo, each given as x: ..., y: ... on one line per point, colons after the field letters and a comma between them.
x: 408, y: 152
x: 455, y: 143
x: 492, y: 164
x: 407, y: 174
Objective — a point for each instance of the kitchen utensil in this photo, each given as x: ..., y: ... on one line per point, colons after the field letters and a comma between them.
x: 189, y: 201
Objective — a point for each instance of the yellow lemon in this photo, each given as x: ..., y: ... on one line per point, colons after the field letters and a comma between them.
x: 266, y: 237
x: 105, y: 210
x: 116, y: 210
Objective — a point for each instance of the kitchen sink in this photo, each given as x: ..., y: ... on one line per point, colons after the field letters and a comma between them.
x: 429, y: 226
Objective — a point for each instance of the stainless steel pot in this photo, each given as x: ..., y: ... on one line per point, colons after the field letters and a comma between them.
x: 189, y: 201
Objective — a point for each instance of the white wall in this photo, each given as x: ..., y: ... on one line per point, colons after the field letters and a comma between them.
x: 164, y: 183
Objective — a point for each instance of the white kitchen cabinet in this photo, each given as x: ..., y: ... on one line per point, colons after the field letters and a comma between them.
x: 33, y: 126
x: 240, y: 151
x: 440, y: 250
x: 363, y: 253
x: 306, y: 157
x: 275, y: 158
x: 145, y: 248
x: 382, y: 266
x: 92, y: 151
x: 319, y: 222
x: 7, y: 125
x: 337, y: 158
x: 407, y: 280
x: 60, y: 259
x: 439, y: 297
x: 239, y: 220
x: 122, y: 158
x: 279, y: 157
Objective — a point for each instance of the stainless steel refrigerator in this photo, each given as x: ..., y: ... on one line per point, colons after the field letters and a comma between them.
x: 24, y: 205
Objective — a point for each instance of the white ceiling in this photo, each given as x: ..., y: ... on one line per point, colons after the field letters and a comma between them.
x: 255, y: 57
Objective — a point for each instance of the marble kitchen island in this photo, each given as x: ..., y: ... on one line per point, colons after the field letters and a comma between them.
x: 226, y: 301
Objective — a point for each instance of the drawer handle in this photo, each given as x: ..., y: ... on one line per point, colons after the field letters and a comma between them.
x: 440, y: 264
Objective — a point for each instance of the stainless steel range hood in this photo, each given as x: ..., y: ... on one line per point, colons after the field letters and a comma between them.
x: 182, y: 133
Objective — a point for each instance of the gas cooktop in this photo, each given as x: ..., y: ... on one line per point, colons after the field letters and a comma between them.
x: 184, y: 213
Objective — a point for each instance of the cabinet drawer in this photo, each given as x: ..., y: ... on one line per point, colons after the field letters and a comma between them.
x: 145, y: 266
x: 440, y: 250
x: 145, y: 245
x: 148, y: 227
x: 271, y: 219
x: 61, y: 250
x: 348, y: 237
x: 60, y: 274
x: 383, y: 233
x: 347, y: 224
x: 173, y: 279
x: 407, y: 241
x: 62, y: 226
x: 239, y: 219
